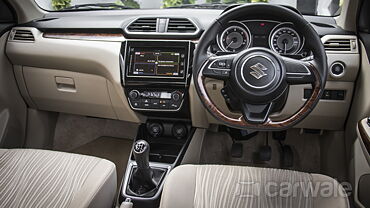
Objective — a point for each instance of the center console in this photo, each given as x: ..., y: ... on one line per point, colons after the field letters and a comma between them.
x: 155, y: 77
x: 156, y: 74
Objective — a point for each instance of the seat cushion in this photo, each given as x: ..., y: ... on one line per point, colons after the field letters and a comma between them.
x: 42, y: 178
x: 214, y: 186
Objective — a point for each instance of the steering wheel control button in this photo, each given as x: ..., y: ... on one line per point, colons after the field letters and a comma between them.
x: 218, y: 69
x: 221, y: 64
x: 225, y: 73
x: 337, y: 70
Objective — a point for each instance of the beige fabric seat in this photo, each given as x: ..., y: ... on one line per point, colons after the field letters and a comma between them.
x: 212, y: 186
x: 41, y: 178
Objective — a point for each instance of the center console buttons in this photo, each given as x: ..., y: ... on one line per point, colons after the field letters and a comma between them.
x: 155, y: 100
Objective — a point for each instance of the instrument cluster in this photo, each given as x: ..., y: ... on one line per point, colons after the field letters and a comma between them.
x: 280, y: 37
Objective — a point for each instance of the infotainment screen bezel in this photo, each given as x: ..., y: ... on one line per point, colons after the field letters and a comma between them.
x: 153, y: 45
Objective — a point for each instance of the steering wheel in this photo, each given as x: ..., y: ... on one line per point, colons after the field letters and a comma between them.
x: 257, y: 78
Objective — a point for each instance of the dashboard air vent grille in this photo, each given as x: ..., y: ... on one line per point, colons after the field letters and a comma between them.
x: 180, y: 25
x: 143, y: 25
x: 339, y: 45
x: 23, y: 35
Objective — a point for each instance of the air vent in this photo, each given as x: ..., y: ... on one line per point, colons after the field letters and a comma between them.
x: 180, y: 25
x: 143, y: 25
x: 22, y: 35
x: 340, y: 45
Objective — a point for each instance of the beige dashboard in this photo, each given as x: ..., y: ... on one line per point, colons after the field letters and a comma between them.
x: 80, y: 74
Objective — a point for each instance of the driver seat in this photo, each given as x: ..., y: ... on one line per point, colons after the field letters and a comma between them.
x: 216, y: 186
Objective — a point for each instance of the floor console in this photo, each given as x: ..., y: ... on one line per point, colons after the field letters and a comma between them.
x: 159, y: 147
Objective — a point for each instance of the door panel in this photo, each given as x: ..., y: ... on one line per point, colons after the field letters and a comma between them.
x: 361, y: 164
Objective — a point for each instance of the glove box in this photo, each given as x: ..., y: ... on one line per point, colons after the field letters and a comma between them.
x: 68, y: 92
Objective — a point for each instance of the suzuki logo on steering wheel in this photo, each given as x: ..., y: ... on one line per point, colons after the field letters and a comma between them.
x: 258, y: 71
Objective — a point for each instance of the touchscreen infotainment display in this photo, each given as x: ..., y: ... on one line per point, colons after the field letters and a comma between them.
x: 157, y: 62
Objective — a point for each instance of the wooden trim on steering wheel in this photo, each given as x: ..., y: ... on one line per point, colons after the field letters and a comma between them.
x: 240, y: 122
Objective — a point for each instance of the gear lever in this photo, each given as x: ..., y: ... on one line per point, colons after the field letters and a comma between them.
x: 143, y: 174
x: 144, y: 180
x: 141, y: 154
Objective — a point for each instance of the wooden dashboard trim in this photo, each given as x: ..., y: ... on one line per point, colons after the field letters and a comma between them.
x: 84, y: 36
x: 365, y: 137
x: 269, y: 124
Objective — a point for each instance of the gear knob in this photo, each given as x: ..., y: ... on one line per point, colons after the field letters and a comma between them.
x: 141, y: 154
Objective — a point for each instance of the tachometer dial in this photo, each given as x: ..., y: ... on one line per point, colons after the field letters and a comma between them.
x: 235, y: 39
x: 285, y: 40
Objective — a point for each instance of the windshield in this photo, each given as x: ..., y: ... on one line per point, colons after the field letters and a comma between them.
x: 310, y: 7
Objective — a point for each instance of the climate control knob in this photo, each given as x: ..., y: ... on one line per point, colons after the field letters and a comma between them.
x: 134, y: 94
x: 176, y: 96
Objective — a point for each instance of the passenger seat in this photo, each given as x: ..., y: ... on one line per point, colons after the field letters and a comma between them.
x: 41, y: 178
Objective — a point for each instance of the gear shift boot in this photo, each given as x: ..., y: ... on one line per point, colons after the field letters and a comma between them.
x: 138, y: 188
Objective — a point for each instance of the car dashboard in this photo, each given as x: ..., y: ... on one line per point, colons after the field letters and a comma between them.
x: 136, y: 65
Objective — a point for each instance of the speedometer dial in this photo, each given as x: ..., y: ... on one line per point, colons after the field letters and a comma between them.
x: 235, y: 39
x: 285, y: 40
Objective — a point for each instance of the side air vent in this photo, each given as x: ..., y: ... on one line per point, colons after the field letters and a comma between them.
x: 343, y: 45
x: 22, y: 35
x: 181, y: 25
x: 143, y: 25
